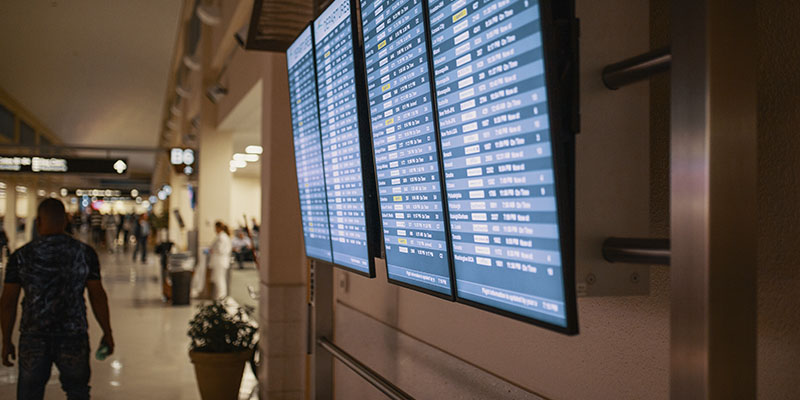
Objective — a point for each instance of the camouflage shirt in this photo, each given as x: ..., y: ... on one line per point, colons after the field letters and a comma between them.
x: 52, y: 271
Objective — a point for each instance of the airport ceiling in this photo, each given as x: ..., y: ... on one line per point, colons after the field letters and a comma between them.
x: 94, y: 72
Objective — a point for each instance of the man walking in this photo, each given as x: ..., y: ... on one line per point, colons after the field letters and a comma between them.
x: 53, y: 270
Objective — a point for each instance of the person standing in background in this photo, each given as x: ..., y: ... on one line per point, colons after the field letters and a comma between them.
x: 127, y: 227
x: 96, y: 223
x: 219, y: 261
x: 119, y: 219
x: 54, y: 271
x: 141, y: 232
x: 110, y: 227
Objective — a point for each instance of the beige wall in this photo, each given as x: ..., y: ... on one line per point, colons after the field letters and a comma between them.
x: 245, y: 200
x: 214, y: 183
x: 622, y: 351
x: 778, y: 199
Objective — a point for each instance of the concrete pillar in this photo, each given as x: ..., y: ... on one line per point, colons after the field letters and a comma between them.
x: 10, y: 217
x: 180, y: 202
x: 214, y: 176
x: 715, y: 228
x: 283, y: 271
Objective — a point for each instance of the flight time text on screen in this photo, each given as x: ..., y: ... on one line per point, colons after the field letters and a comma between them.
x: 307, y: 147
x: 498, y: 166
x: 341, y: 151
x: 404, y: 142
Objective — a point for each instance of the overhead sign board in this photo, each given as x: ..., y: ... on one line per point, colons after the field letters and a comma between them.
x: 178, y: 156
x: 183, y: 160
x: 63, y: 165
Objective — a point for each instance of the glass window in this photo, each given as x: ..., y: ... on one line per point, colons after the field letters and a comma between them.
x: 27, y: 135
x: 6, y: 123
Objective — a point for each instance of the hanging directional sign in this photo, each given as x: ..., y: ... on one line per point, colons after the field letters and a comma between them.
x: 62, y: 165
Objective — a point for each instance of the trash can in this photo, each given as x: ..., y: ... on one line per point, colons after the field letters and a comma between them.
x: 164, y: 249
x: 181, y: 267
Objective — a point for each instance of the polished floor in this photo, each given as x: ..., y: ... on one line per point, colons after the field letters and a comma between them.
x: 151, y: 359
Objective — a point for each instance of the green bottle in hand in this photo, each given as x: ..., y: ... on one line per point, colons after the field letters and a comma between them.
x: 103, y: 351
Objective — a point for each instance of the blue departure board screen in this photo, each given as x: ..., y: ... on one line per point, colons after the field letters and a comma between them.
x: 405, y: 146
x: 341, y: 146
x: 308, y: 147
x: 498, y: 160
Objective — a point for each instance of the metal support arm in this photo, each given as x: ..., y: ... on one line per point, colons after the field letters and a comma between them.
x: 637, y: 68
x: 637, y: 251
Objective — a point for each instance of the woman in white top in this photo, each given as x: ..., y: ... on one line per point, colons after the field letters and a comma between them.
x: 219, y: 260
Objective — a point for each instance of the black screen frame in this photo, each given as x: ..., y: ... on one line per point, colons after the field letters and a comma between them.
x: 310, y: 25
x: 434, y: 113
x: 559, y: 41
x: 368, y: 182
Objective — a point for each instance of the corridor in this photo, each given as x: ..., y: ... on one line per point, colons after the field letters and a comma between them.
x: 446, y: 199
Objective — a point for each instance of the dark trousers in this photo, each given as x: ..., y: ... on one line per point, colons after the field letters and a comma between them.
x: 239, y: 256
x: 141, y: 245
x: 37, y: 354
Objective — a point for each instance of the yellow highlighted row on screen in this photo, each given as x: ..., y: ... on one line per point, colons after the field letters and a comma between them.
x: 459, y: 15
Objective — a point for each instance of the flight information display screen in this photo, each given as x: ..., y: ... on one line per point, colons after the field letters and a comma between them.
x: 308, y: 147
x: 341, y: 147
x: 405, y: 146
x: 491, y: 92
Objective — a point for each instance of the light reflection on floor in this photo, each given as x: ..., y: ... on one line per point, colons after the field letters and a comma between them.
x: 151, y: 360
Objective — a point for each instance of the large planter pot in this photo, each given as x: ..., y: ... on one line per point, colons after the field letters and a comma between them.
x: 219, y: 375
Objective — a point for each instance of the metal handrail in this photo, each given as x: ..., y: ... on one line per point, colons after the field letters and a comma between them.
x: 376, y: 380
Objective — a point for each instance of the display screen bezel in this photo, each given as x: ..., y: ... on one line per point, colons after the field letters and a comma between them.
x: 368, y: 184
x: 563, y: 150
x: 310, y: 26
x: 451, y: 295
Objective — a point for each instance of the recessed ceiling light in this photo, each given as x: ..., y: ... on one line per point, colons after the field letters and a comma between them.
x: 254, y: 149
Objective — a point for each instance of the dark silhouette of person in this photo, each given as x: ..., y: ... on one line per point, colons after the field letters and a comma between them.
x: 53, y: 270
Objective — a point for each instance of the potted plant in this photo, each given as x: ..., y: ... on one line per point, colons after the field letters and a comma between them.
x: 223, y: 339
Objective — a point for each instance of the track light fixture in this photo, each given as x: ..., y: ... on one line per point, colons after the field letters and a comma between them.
x: 209, y: 13
x: 191, y: 62
x: 183, y: 91
x: 241, y: 36
x: 175, y: 110
x: 216, y: 92
x: 173, y: 125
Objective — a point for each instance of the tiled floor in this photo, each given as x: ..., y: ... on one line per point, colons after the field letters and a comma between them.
x: 151, y: 360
